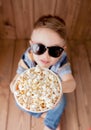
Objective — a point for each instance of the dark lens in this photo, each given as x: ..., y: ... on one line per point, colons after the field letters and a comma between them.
x: 38, y: 48
x: 55, y: 51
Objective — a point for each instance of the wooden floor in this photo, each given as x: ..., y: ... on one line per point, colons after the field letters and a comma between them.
x: 77, y: 115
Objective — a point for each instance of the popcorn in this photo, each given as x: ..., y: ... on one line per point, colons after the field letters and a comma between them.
x: 37, y: 89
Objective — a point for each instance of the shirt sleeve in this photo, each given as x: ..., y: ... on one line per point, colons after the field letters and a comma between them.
x: 20, y: 69
x: 65, y: 69
x: 25, y: 62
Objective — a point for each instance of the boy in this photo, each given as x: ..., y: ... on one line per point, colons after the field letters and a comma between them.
x: 48, y: 49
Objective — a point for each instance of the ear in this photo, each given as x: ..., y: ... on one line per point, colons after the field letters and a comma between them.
x: 30, y: 42
x: 65, y: 48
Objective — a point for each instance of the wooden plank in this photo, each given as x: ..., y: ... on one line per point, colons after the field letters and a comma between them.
x: 71, y: 119
x: 27, y: 7
x: 1, y: 22
x: 20, y: 47
x: 83, y: 25
x: 87, y: 45
x: 86, y: 34
x: 37, y: 124
x: 19, y: 21
x: 40, y: 8
x: 7, y: 12
x: 79, y: 62
x: 86, y: 80
x: 73, y: 8
x: 6, y: 56
x: 61, y: 8
x: 62, y: 121
x: 69, y: 11
x: 4, y: 95
x: 17, y: 119
x: 8, y: 19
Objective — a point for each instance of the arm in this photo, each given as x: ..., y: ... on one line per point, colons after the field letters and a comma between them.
x: 21, y: 67
x: 68, y: 83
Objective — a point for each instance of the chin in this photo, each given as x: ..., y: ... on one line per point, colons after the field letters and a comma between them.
x: 44, y: 66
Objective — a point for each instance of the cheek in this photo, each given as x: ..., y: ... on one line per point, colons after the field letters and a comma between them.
x: 34, y: 56
x: 54, y: 60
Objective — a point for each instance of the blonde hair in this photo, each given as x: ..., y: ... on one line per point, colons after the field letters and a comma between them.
x: 55, y: 23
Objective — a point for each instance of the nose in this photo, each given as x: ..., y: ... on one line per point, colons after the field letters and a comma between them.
x: 46, y: 54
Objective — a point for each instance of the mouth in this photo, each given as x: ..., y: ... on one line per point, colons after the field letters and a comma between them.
x: 44, y: 62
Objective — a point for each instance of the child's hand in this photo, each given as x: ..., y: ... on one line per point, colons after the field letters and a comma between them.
x: 68, y: 86
x: 57, y: 102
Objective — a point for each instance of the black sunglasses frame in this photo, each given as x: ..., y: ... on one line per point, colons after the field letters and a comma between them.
x: 53, y: 51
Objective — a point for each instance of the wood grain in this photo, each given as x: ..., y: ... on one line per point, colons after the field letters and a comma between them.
x: 17, y: 119
x: 18, y: 16
x: 6, y: 56
x: 83, y: 78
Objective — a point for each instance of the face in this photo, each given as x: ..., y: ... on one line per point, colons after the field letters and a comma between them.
x: 48, y: 38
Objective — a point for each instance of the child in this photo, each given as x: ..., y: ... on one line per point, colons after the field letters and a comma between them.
x: 48, y: 49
